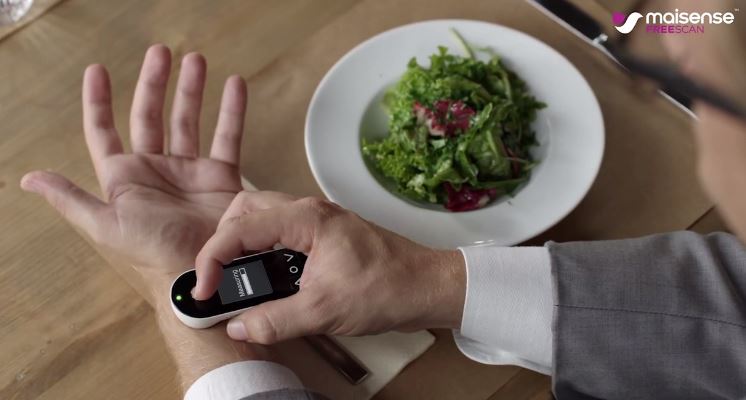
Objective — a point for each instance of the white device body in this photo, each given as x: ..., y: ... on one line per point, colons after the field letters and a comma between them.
x: 201, y: 323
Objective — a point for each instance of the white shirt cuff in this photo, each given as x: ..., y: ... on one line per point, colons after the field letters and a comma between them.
x: 241, y: 379
x: 508, y: 309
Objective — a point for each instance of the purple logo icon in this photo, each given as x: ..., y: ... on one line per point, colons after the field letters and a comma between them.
x: 618, y: 18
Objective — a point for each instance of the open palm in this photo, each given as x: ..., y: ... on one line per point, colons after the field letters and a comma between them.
x: 159, y: 205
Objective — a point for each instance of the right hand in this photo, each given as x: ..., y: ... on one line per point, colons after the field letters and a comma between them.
x: 359, y: 278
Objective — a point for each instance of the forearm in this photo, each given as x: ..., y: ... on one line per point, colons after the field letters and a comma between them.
x: 196, y: 352
x: 668, y: 306
x: 663, y: 315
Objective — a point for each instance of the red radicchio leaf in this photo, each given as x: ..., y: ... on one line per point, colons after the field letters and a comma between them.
x: 467, y: 198
x: 446, y: 118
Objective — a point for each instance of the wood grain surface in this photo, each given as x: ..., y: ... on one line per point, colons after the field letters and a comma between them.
x: 71, y: 328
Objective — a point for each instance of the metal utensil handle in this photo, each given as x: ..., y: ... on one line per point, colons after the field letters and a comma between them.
x: 336, y: 355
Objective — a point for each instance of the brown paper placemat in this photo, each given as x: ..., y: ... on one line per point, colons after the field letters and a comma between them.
x: 647, y: 181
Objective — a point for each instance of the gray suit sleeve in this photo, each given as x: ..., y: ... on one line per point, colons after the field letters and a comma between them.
x: 286, y: 394
x: 660, y: 317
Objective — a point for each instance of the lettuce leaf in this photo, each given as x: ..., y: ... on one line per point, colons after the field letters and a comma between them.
x: 492, y: 154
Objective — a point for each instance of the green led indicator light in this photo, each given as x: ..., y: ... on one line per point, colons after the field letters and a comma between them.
x: 178, y: 297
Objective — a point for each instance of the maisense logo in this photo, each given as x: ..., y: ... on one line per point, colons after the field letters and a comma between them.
x: 625, y: 24
x: 671, y: 22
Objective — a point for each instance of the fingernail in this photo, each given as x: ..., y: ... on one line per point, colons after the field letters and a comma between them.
x: 196, y: 293
x: 236, y: 330
x: 29, y: 184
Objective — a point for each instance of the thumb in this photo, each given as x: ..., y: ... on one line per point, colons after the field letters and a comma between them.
x: 78, y: 207
x: 278, y: 320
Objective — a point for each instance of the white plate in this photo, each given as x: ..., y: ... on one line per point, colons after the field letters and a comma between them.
x: 346, y: 105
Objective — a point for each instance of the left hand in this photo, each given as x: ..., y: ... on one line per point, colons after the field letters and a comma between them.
x: 159, y: 205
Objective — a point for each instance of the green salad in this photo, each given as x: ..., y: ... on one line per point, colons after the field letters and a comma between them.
x: 459, y: 131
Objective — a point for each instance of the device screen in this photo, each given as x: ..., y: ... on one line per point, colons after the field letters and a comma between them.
x: 243, y: 282
x: 246, y: 282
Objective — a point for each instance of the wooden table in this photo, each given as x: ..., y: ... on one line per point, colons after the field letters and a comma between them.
x: 70, y: 328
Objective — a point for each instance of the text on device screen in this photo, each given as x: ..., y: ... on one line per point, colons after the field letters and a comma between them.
x: 243, y: 282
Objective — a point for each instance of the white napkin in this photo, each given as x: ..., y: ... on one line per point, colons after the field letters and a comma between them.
x: 383, y: 355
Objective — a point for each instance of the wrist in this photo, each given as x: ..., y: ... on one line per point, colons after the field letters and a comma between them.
x: 157, y: 286
x: 196, y: 351
x: 445, y: 289
x: 199, y: 351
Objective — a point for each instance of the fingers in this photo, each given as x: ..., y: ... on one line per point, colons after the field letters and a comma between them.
x: 226, y: 145
x: 98, y: 119
x: 288, y: 225
x: 250, y: 201
x: 77, y: 206
x: 187, y: 106
x: 146, y: 119
x: 277, y: 320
